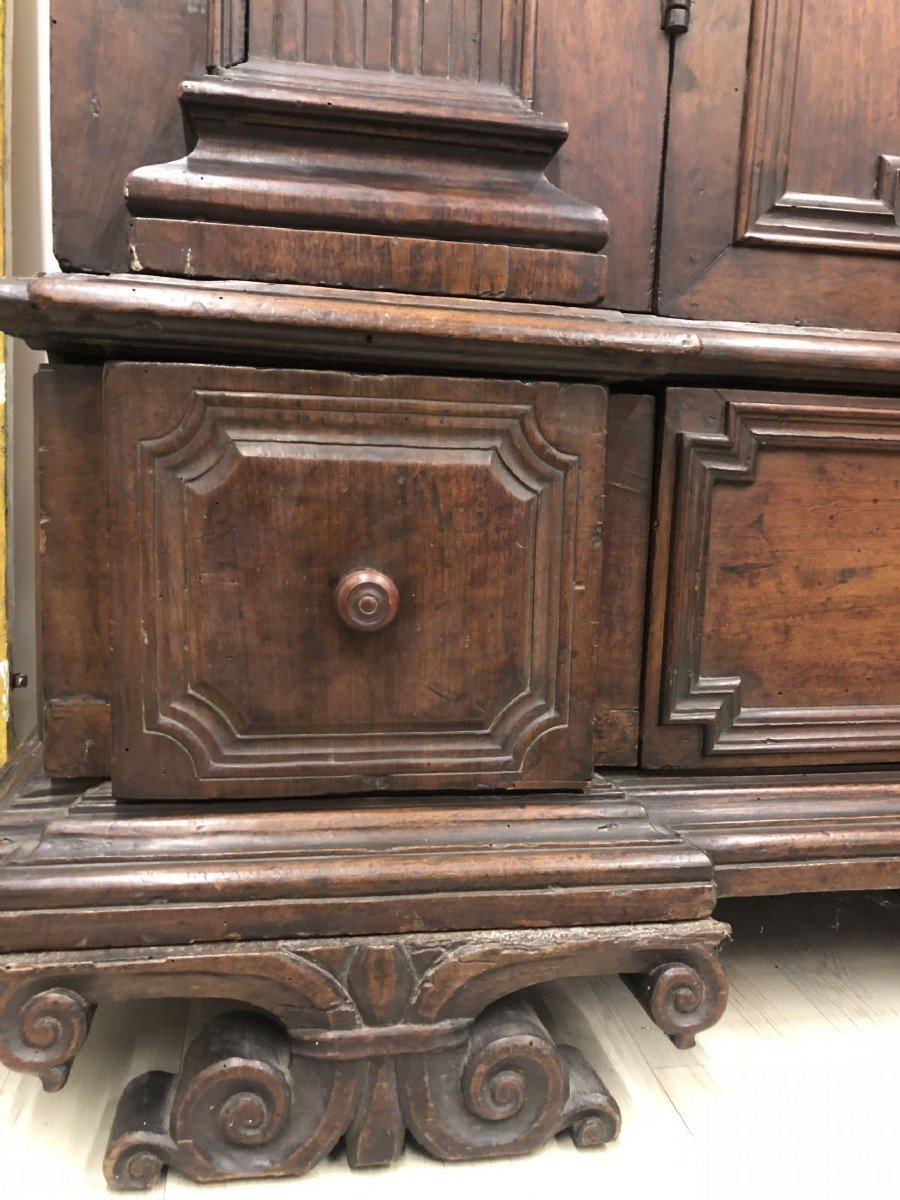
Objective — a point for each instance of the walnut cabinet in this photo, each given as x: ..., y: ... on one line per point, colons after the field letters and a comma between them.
x: 684, y: 600
x: 468, y: 461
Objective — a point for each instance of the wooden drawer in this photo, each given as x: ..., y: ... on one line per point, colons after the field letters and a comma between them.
x: 324, y: 582
x: 775, y: 607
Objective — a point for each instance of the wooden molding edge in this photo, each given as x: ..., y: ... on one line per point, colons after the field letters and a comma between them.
x: 147, y: 317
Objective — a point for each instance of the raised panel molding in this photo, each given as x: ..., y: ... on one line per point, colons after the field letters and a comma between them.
x: 200, y: 710
x: 717, y: 704
x: 768, y: 211
x: 205, y: 451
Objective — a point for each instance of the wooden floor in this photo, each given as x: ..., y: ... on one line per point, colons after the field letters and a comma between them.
x: 793, y: 1093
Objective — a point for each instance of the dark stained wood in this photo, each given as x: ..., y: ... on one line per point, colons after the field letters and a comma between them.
x: 772, y: 835
x: 684, y: 996
x: 459, y: 974
x: 305, y: 137
x: 73, y: 588
x: 811, y: 177
x: 370, y: 1037
x: 778, y: 544
x: 367, y: 600
x: 597, y: 857
x: 233, y: 673
x: 781, y: 173
x: 208, y: 249
x: 612, y: 159
x: 490, y: 42
x: 364, y: 157
x: 434, y: 186
x: 630, y: 445
x: 318, y: 580
x: 243, y: 1105
x: 77, y: 869
x: 230, y: 27
x: 604, y: 66
x: 110, y: 59
x: 136, y: 317
x: 77, y: 731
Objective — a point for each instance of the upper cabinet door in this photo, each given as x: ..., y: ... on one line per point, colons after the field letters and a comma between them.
x: 782, y: 191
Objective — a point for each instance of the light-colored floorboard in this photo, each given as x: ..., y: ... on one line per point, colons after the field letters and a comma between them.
x: 796, y: 1086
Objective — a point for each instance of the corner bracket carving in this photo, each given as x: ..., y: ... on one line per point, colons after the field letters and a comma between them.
x: 356, y: 1039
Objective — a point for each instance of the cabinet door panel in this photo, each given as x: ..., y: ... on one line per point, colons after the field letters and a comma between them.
x: 115, y: 73
x: 604, y: 66
x: 776, y: 589
x: 782, y: 200
x: 250, y: 658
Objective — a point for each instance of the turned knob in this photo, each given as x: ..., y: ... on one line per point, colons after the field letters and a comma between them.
x: 367, y: 600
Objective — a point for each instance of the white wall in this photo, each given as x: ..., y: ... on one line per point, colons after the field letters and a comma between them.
x: 29, y: 250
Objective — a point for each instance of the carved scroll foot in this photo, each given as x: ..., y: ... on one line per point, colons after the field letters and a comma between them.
x: 236, y: 1110
x: 41, y: 1031
x: 361, y: 1039
x: 684, y: 995
x: 251, y: 1101
x: 507, y: 1091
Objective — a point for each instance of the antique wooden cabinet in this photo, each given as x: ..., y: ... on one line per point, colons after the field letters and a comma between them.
x: 469, y: 546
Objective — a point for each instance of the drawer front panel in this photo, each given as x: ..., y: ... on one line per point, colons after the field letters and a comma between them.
x: 333, y: 583
x: 775, y: 620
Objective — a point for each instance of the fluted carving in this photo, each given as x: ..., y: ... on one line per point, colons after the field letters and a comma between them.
x: 41, y: 1032
x: 352, y: 143
x: 489, y: 42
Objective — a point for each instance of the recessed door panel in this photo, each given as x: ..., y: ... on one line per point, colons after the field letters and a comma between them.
x: 776, y: 586
x: 782, y: 201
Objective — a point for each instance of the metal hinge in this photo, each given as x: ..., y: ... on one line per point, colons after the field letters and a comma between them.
x: 676, y: 16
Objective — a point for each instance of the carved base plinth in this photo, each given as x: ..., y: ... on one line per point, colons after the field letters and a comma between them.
x: 251, y: 1101
x: 358, y: 188
x: 360, y: 1039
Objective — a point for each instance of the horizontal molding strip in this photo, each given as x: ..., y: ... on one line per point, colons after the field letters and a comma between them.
x: 148, y: 316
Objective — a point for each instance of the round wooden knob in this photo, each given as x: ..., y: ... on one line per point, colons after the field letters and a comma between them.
x: 367, y: 600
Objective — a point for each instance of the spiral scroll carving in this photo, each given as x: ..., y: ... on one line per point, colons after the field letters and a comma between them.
x: 368, y: 1040
x: 513, y: 1073
x: 237, y: 1106
x: 254, y: 1118
x: 138, y: 1170
x: 250, y: 1103
x: 507, y: 1092
x: 684, y: 996
x: 41, y: 1033
x: 243, y: 1107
